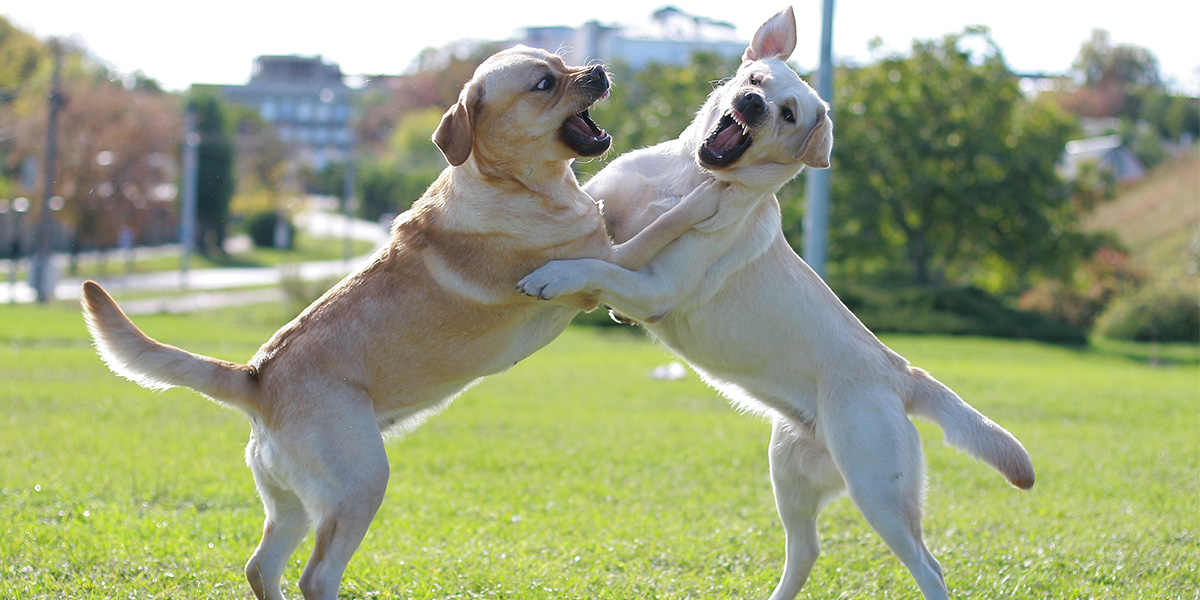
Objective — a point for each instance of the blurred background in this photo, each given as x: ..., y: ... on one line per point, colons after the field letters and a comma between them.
x: 1012, y: 169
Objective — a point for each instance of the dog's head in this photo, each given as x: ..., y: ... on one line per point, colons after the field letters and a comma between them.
x: 765, y: 114
x: 524, y: 106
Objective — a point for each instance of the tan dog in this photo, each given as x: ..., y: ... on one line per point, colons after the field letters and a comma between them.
x: 733, y: 299
x: 435, y: 310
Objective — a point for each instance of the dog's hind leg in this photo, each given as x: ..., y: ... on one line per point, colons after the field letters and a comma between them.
x: 346, y: 476
x: 878, y: 452
x: 804, y: 480
x: 286, y: 525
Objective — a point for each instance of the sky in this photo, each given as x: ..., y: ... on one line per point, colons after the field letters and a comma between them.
x: 180, y: 43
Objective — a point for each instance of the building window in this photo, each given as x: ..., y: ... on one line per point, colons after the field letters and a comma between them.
x: 269, y: 110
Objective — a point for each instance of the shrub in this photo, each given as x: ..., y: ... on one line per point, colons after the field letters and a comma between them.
x: 950, y: 310
x: 261, y: 227
x: 1079, y: 300
x: 1160, y: 313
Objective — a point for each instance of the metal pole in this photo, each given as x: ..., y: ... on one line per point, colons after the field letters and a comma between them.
x: 816, y: 219
x: 348, y: 186
x: 187, y: 220
x: 42, y: 280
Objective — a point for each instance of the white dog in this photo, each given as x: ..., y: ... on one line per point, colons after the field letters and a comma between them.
x: 732, y: 298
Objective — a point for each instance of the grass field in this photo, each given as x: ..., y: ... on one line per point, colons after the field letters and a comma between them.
x: 574, y: 475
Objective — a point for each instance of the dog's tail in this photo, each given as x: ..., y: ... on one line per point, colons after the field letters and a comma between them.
x: 968, y: 429
x: 135, y: 356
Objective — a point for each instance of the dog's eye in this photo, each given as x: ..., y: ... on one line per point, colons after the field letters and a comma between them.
x: 755, y: 80
x: 788, y: 115
x: 545, y: 84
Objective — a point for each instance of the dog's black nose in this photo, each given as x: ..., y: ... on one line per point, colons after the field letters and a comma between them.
x: 752, y: 105
x: 595, y: 80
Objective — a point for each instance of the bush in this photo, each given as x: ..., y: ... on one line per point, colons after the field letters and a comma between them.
x: 1159, y: 313
x: 952, y: 311
x: 261, y: 227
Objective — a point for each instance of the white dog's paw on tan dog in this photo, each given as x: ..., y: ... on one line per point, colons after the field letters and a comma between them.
x: 436, y: 309
x: 733, y: 299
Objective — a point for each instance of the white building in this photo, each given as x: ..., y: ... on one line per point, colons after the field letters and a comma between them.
x: 671, y: 36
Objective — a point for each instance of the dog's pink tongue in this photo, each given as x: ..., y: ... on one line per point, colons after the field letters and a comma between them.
x: 580, y: 126
x: 726, y: 139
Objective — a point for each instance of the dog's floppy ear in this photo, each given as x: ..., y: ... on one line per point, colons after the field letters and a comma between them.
x: 775, y: 39
x: 818, y: 146
x: 455, y: 135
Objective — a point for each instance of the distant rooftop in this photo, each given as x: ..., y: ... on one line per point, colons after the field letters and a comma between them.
x: 271, y: 67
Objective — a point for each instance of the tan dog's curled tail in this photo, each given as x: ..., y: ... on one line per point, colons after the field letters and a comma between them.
x: 968, y: 429
x: 151, y: 364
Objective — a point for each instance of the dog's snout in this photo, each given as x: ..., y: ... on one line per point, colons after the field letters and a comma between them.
x: 597, y: 74
x: 752, y: 105
x: 595, y: 79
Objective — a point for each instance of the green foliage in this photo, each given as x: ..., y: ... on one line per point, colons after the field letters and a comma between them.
x: 215, y: 183
x: 944, y: 168
x: 391, y: 182
x: 573, y: 475
x: 261, y: 227
x: 953, y: 311
x: 21, y: 55
x: 1159, y: 312
x: 386, y: 188
x: 1101, y: 62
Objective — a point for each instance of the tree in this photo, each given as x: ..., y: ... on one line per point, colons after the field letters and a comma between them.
x: 109, y: 179
x: 215, y: 183
x: 944, y: 168
x: 1100, y: 62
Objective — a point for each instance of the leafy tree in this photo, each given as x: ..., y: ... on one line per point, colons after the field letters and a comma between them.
x: 945, y: 169
x: 109, y: 179
x: 215, y: 183
x: 1100, y: 62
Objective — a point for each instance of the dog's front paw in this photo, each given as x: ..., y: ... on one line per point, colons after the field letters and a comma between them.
x: 553, y: 280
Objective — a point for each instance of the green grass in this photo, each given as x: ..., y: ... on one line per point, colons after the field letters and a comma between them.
x: 574, y: 475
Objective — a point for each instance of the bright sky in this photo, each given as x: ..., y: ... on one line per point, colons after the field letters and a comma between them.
x: 214, y: 41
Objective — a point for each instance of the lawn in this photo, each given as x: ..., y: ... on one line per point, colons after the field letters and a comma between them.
x: 576, y: 475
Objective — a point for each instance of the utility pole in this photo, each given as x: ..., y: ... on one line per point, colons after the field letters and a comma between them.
x: 43, y: 281
x: 348, y: 185
x: 187, y: 220
x: 816, y: 218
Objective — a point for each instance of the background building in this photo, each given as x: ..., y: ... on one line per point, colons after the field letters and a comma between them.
x: 307, y: 102
x: 671, y: 36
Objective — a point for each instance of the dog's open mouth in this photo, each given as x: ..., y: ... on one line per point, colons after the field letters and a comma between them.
x: 728, y: 140
x: 582, y: 135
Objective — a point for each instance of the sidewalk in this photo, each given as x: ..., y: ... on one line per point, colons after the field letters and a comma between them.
x: 214, y: 285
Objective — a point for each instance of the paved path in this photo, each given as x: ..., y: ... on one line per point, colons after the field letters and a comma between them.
x: 212, y: 285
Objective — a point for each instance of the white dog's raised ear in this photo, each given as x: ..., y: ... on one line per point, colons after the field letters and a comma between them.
x: 455, y: 135
x: 774, y: 39
x: 818, y: 145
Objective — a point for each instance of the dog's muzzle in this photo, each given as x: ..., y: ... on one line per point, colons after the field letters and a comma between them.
x: 731, y: 137
x: 579, y: 132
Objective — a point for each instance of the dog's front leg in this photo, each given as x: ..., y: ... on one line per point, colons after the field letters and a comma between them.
x: 699, y: 205
x: 640, y: 295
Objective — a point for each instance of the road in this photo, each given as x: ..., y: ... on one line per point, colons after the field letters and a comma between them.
x: 212, y: 287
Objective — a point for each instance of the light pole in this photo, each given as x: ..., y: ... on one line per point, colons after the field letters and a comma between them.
x: 816, y: 218
x: 43, y: 280
x: 19, y: 206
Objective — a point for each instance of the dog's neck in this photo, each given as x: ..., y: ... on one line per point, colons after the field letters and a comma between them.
x: 492, y: 199
x: 546, y: 180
